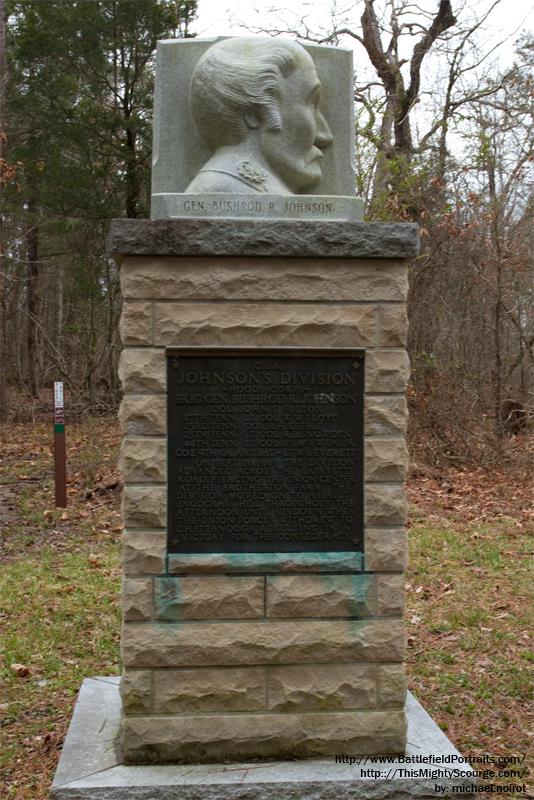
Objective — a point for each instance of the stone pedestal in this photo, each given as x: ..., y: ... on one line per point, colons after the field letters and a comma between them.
x: 262, y: 655
x: 91, y: 766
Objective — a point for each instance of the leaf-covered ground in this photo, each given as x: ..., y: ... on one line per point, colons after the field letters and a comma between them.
x: 469, y: 614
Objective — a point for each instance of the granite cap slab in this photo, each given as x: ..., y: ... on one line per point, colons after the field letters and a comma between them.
x: 275, y: 238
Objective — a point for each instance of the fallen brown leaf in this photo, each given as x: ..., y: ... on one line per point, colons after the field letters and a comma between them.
x: 21, y: 670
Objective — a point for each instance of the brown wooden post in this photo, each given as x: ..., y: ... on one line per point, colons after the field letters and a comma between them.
x: 60, y: 457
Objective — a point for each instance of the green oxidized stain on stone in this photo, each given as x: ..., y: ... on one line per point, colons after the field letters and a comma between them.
x: 362, y: 586
x: 167, y: 598
x: 276, y: 561
x: 359, y: 604
x: 315, y: 561
x: 356, y: 627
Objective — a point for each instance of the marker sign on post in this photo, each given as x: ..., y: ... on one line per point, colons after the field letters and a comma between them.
x: 60, y: 456
x: 59, y: 406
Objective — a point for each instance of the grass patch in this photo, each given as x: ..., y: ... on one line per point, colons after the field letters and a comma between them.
x: 59, y: 591
x: 469, y: 619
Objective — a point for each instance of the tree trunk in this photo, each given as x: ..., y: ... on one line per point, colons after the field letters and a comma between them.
x: 396, y: 149
x: 32, y: 273
x: 498, y: 310
x: 3, y: 153
x: 132, y: 178
x: 498, y: 354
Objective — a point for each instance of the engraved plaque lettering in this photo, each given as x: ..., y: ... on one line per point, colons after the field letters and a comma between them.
x: 265, y: 450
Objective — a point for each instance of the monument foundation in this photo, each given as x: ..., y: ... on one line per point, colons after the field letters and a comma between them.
x: 91, y: 768
x: 288, y: 653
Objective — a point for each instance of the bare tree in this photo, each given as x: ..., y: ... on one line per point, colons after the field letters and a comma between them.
x: 398, y: 37
x: 395, y: 139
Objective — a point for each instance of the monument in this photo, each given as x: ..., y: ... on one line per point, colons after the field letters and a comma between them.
x: 264, y: 372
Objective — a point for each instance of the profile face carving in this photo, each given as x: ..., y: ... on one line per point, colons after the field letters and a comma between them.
x: 255, y: 102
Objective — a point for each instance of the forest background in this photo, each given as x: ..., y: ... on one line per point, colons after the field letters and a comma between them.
x: 453, y: 153
x: 75, y: 111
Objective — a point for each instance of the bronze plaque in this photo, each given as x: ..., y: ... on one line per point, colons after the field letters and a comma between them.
x: 265, y: 450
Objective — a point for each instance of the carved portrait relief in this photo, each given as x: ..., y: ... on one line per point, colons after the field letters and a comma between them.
x: 255, y: 103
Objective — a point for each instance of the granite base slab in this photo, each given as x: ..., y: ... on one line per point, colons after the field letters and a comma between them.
x: 90, y: 765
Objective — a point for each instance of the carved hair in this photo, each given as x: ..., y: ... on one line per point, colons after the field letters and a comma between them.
x: 239, y: 76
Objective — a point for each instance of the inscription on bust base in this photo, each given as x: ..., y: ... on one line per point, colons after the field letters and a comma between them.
x: 266, y: 206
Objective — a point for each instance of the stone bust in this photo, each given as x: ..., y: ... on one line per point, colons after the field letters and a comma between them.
x: 256, y: 103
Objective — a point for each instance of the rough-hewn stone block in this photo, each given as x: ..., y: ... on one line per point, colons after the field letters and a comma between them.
x: 143, y: 552
x: 137, y: 599
x: 320, y: 596
x: 235, y: 737
x: 269, y: 324
x: 385, y: 459
x: 392, y: 685
x: 208, y: 690
x: 224, y: 278
x: 143, y: 415
x: 265, y: 562
x: 136, y: 691
x: 136, y: 323
x: 393, y: 325
x: 385, y: 504
x: 142, y: 369
x: 390, y: 595
x: 210, y: 597
x: 322, y: 687
x: 385, y: 416
x: 144, y: 506
x: 385, y: 550
x: 386, y: 371
x: 143, y: 460
x: 262, y: 642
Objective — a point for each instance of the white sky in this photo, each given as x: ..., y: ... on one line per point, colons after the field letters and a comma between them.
x: 223, y: 17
